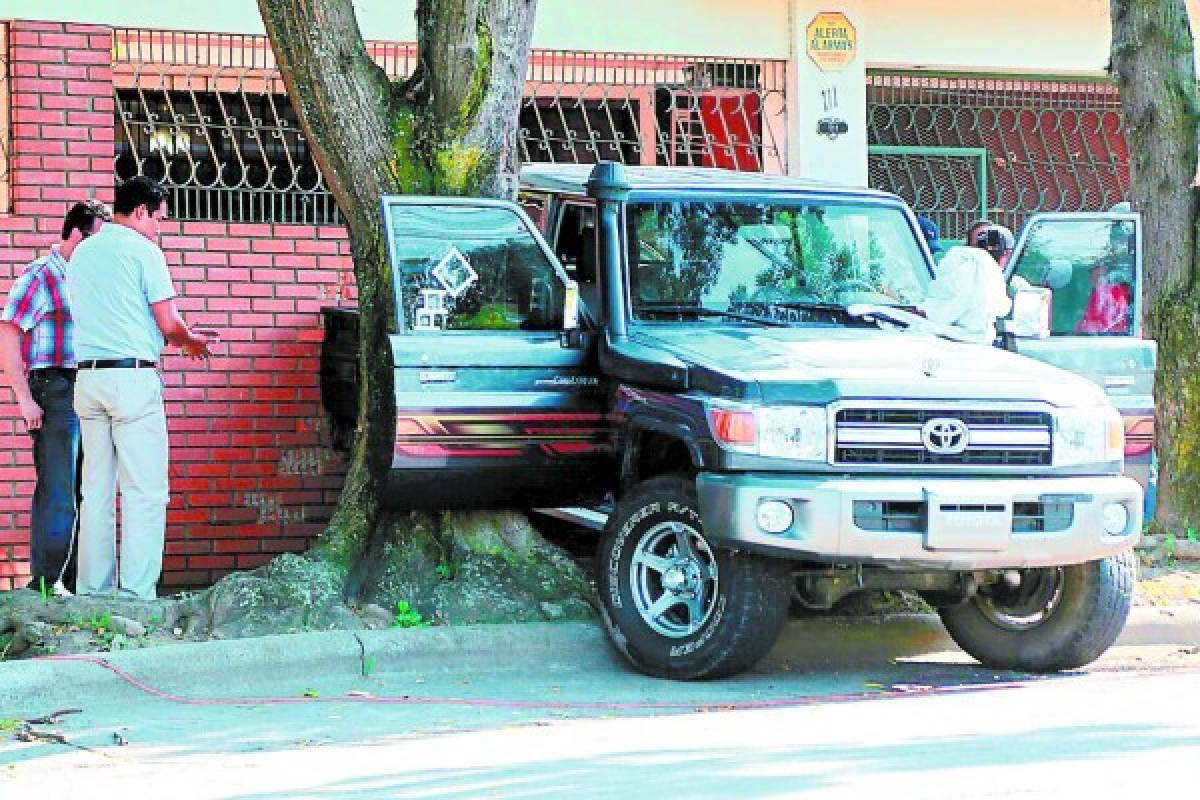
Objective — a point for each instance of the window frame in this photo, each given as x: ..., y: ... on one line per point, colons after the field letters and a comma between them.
x: 1132, y: 217
x: 388, y: 202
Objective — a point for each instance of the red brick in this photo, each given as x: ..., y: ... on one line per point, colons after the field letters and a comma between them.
x: 90, y: 118
x: 89, y: 87
x: 89, y: 57
x: 21, y: 85
x: 71, y: 72
x: 229, y: 245
x: 65, y: 132
x: 251, y: 260
x: 29, y: 115
x: 31, y: 25
x: 236, y: 546
x: 272, y: 245
x: 67, y: 40
x: 253, y: 231
x: 209, y: 562
x: 90, y: 179
x: 48, y: 55
x: 204, y: 257
x: 66, y: 162
x: 90, y: 148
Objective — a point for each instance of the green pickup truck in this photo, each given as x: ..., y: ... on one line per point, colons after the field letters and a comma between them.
x: 724, y: 374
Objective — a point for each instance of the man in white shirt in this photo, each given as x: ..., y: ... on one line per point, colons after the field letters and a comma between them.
x: 124, y: 306
x: 969, y: 291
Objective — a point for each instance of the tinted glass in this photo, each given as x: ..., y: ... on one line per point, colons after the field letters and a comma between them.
x: 1088, y: 265
x: 472, y: 268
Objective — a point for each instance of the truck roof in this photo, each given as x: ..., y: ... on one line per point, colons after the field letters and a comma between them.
x: 572, y: 179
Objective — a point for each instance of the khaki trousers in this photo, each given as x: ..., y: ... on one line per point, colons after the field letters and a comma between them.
x: 123, y: 429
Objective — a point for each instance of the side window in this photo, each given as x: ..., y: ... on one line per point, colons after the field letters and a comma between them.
x: 1090, y: 268
x: 576, y: 235
x: 471, y: 268
x: 576, y: 249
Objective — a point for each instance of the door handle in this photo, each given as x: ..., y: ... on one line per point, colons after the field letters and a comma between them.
x: 437, y: 376
x: 1118, y: 381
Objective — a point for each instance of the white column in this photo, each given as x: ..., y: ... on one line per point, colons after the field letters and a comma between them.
x: 827, y: 92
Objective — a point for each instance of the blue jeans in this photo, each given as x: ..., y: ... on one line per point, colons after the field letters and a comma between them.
x: 55, y: 460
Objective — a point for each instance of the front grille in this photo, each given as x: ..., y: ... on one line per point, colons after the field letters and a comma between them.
x: 1012, y: 438
x: 987, y: 458
x: 919, y: 416
x: 905, y: 516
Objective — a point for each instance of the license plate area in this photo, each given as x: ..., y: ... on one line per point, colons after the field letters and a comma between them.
x: 975, y: 522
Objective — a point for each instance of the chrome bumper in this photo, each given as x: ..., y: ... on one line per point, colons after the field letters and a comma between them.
x: 959, y: 523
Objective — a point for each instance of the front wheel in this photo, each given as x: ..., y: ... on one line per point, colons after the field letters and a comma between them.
x: 675, y: 605
x: 1054, y: 619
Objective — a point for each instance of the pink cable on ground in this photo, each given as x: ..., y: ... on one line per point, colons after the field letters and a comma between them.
x: 741, y: 705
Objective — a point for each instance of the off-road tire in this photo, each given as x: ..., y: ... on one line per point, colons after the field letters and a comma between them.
x: 747, y: 614
x: 1087, y: 618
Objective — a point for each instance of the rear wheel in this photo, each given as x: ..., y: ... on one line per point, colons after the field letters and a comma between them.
x: 1053, y: 619
x: 675, y: 605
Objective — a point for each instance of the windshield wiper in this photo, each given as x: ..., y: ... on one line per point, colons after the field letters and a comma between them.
x: 701, y: 311
x: 902, y: 317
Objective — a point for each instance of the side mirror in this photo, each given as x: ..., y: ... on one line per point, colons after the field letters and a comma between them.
x: 1030, y: 315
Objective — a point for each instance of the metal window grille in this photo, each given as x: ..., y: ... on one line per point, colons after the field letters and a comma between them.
x: 956, y: 146
x: 207, y: 114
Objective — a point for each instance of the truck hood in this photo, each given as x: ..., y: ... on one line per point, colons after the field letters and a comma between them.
x: 820, y: 365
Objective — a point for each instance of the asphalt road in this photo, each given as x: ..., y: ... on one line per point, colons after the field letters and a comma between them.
x: 861, y: 723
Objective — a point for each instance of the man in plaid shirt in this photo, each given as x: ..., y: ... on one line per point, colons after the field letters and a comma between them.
x: 37, y: 353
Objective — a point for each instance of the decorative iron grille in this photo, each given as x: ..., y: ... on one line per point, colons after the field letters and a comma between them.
x: 208, y: 115
x: 1044, y: 145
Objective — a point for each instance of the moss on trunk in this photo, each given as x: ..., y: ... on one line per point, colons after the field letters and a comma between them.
x: 1153, y: 61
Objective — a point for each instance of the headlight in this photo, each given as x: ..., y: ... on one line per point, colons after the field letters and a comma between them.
x: 1088, y: 436
x: 794, y: 432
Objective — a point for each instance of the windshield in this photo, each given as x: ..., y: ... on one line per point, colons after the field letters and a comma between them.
x: 779, y: 260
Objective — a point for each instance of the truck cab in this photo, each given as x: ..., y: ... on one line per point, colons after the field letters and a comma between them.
x: 735, y: 361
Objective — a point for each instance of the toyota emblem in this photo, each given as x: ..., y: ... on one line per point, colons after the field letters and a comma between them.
x: 944, y: 436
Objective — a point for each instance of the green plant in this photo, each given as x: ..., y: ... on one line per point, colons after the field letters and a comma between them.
x: 9, y: 724
x: 1169, y: 545
x: 408, y: 617
x: 444, y: 571
x: 1191, y: 534
x: 43, y: 590
x: 368, y: 665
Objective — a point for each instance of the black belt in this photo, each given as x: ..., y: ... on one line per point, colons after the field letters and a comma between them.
x: 67, y: 371
x: 117, y: 363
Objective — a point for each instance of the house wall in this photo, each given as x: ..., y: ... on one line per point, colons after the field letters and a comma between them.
x: 1064, y: 36
x: 251, y: 471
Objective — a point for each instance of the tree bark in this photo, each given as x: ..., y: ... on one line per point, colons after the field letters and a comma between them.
x: 1153, y: 61
x: 450, y: 128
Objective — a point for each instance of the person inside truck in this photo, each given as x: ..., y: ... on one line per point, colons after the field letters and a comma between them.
x: 1108, y: 305
x: 969, y: 292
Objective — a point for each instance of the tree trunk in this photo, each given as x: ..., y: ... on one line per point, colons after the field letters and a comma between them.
x: 449, y: 129
x: 1153, y: 60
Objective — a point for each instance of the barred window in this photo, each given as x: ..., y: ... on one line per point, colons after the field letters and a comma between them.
x: 233, y: 156
x: 207, y: 114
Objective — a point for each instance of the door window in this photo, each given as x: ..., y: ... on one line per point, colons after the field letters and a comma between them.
x: 1090, y: 268
x: 464, y: 267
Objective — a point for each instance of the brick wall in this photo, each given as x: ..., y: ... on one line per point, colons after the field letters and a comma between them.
x: 251, y: 471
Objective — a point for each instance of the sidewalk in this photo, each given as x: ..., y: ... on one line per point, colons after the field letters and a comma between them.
x: 338, y: 661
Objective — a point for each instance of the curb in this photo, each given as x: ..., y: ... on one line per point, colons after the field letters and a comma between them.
x: 186, y: 668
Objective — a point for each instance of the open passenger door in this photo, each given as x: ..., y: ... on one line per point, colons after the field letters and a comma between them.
x: 1092, y: 265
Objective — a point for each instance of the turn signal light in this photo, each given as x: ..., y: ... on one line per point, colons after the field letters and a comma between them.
x: 734, y: 427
